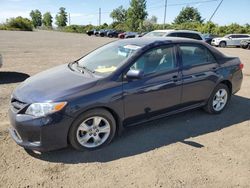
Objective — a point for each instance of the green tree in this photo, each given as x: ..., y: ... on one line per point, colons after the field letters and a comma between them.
x: 119, y: 14
x: 149, y: 24
x: 188, y: 14
x: 136, y: 14
x: 19, y: 23
x: 47, y: 20
x: 36, y: 18
x: 153, y: 20
x: 61, y: 17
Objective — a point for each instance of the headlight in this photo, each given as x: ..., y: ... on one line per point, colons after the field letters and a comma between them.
x: 42, y: 109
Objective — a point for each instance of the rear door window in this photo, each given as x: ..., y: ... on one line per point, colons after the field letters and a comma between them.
x: 195, y: 54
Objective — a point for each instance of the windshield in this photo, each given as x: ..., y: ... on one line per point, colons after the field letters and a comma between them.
x: 155, y: 34
x: 227, y: 36
x: 108, y: 58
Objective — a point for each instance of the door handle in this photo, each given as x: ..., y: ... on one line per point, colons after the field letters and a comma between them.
x: 214, y: 68
x: 175, y: 78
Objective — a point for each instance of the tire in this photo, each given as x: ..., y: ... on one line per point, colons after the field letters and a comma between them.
x: 89, y: 139
x: 223, y: 44
x: 110, y: 36
x: 211, y: 106
x: 102, y: 35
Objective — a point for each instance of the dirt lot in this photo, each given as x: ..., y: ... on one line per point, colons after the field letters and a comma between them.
x: 192, y: 149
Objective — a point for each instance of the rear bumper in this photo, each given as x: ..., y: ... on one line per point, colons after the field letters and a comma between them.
x: 237, y: 81
x: 40, y: 134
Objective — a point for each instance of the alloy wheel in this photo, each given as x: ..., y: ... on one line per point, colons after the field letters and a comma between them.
x: 220, y: 100
x: 93, y: 132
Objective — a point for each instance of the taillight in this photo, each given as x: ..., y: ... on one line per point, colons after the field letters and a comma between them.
x: 241, y: 66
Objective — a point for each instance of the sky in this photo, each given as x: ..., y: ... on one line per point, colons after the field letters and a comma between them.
x: 86, y: 11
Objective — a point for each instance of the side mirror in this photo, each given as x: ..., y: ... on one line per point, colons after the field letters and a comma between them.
x: 134, y: 74
x: 230, y: 37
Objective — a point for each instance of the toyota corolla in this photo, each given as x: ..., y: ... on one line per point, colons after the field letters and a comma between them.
x: 87, y: 102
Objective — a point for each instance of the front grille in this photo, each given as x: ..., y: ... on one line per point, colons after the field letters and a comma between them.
x: 17, y: 105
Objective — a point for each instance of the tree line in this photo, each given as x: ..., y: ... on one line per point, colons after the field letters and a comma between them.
x: 46, y: 20
x: 37, y: 20
x: 135, y: 18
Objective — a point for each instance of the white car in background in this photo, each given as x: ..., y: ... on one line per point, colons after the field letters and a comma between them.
x: 229, y: 40
x: 176, y: 33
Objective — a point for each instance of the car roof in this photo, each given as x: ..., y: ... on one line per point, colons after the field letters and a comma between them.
x: 176, y: 31
x: 144, y: 41
x: 147, y: 41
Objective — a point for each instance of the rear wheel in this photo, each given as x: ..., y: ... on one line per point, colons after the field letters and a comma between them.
x: 218, y: 99
x: 222, y: 44
x: 92, y: 130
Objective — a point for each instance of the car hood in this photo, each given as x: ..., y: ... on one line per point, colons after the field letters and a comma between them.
x: 55, y: 84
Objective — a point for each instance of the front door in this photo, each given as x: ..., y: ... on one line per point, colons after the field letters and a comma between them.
x: 158, y: 90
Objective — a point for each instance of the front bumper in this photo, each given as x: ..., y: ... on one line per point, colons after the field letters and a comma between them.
x: 214, y: 43
x: 40, y: 134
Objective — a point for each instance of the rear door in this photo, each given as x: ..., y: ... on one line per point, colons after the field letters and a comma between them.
x: 198, y: 73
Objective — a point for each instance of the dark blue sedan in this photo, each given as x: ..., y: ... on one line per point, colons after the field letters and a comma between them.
x: 127, y: 82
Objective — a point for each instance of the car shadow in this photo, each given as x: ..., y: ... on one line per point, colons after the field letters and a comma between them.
x: 159, y: 133
x: 12, y: 77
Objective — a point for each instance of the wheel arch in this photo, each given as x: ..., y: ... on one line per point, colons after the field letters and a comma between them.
x: 118, y: 120
x: 223, y: 41
x: 228, y: 84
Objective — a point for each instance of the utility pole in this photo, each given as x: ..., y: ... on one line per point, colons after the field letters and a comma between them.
x: 215, y: 11
x: 100, y: 15
x: 165, y: 13
x: 69, y: 19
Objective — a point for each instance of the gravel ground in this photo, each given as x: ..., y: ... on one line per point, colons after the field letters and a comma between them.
x: 191, y: 149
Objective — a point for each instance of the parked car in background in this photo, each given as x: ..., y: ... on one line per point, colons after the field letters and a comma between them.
x: 102, y: 32
x: 229, y: 40
x: 245, y: 44
x: 1, y: 61
x: 209, y: 37
x: 114, y: 33
x: 141, y: 34
x: 91, y: 32
x: 176, y: 33
x: 121, y: 84
x: 126, y: 35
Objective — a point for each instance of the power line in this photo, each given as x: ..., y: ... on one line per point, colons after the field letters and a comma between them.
x: 181, y: 4
x: 215, y: 11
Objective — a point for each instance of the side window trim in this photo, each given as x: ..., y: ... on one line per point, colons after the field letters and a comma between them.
x: 195, y: 65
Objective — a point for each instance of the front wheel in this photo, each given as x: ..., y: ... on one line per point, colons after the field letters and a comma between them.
x: 222, y: 44
x: 92, y: 130
x: 218, y: 99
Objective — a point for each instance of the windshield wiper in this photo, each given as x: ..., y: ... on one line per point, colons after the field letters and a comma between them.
x: 83, y: 67
x: 87, y: 69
